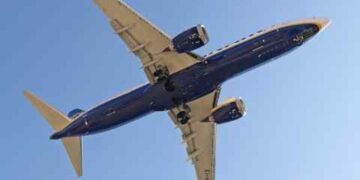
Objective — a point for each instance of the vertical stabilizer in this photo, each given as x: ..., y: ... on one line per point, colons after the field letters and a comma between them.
x: 59, y: 121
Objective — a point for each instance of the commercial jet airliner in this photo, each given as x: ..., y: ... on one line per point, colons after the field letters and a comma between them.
x: 181, y: 82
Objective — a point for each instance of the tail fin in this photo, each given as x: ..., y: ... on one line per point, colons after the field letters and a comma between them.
x: 59, y: 121
x: 75, y: 113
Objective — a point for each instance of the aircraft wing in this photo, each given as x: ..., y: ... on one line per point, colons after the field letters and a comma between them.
x: 144, y: 39
x: 200, y: 137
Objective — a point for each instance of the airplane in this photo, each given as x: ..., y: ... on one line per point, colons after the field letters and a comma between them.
x: 185, y: 84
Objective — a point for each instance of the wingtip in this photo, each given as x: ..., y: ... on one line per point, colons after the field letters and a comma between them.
x: 27, y: 93
x: 79, y: 174
x: 79, y: 171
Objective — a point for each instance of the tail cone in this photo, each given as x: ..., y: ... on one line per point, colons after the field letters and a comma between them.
x: 57, y: 135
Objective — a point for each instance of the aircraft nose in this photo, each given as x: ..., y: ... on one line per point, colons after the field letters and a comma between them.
x: 322, y: 23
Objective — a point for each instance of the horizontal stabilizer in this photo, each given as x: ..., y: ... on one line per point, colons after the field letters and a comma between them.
x: 59, y: 121
x: 73, y: 147
x: 55, y: 118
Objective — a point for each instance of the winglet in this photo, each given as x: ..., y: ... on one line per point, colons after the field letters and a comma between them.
x: 59, y: 121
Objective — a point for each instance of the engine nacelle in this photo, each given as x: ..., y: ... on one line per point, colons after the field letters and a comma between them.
x: 190, y: 39
x: 230, y: 110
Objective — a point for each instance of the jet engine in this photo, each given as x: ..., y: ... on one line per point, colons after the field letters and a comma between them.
x: 230, y: 110
x: 190, y: 39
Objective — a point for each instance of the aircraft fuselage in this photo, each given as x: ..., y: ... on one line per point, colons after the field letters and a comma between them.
x: 194, y: 81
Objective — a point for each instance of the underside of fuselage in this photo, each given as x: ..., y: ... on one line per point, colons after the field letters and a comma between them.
x: 262, y: 49
x: 192, y: 82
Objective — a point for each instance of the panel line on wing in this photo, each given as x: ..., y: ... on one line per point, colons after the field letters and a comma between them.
x: 115, y: 24
x: 139, y: 47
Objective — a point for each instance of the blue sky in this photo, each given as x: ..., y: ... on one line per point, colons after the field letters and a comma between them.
x: 302, y: 120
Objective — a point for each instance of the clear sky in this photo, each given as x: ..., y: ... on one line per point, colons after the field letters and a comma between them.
x: 302, y: 120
